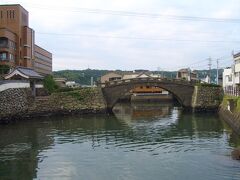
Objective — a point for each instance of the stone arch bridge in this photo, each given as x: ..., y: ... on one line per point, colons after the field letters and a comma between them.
x: 182, y: 90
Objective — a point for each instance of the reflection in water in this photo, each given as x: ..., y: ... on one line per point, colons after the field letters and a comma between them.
x: 137, y: 111
x: 149, y: 141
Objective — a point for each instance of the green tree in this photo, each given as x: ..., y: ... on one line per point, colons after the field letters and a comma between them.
x: 4, y: 69
x: 49, y: 84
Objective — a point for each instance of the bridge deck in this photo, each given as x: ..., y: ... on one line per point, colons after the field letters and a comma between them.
x: 145, y: 80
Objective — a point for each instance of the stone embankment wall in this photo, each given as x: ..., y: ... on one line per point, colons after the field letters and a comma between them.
x: 207, y: 98
x: 81, y: 101
x: 19, y: 104
x: 14, y: 102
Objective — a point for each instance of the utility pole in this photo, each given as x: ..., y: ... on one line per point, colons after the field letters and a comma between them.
x: 158, y: 69
x: 217, y: 69
x: 189, y: 74
x: 92, y: 82
x: 210, y: 67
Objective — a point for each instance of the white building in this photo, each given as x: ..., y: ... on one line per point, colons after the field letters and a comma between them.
x: 228, y: 77
x: 231, y: 75
x: 71, y: 84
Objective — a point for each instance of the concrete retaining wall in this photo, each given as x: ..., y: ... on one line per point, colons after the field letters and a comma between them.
x: 232, y: 119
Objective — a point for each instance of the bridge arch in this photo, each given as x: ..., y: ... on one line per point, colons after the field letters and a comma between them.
x: 182, y: 90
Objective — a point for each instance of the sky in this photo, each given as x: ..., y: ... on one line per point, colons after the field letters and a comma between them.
x: 135, y: 34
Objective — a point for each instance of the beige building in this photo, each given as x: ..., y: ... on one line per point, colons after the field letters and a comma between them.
x: 186, y: 74
x: 17, y: 41
x: 61, y: 82
x: 113, y: 76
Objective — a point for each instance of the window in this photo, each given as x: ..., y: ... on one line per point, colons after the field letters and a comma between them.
x: 3, y: 42
x: 229, y: 78
x: 11, y: 57
x: 237, y: 61
x: 3, y: 56
x: 12, y: 45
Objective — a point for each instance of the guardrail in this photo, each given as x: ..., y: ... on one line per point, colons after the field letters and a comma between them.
x: 232, y: 91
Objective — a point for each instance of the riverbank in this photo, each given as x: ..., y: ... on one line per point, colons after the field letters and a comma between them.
x: 18, y: 104
x: 229, y: 111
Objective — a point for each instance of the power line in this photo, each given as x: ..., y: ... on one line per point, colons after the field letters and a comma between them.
x: 222, y: 58
x: 136, y: 14
x: 138, y: 38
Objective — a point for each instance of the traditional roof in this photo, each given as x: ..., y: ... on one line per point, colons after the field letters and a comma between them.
x: 183, y: 70
x: 24, y: 72
x: 142, y: 74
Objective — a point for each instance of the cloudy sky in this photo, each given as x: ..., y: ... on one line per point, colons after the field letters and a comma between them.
x: 135, y: 34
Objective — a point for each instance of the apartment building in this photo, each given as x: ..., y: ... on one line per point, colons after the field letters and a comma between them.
x: 17, y: 41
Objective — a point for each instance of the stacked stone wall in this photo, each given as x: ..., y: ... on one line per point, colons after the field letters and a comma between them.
x: 207, y: 98
x: 14, y: 102
x: 19, y: 104
x: 77, y: 101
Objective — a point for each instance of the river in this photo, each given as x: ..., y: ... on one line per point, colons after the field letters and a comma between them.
x: 141, y: 142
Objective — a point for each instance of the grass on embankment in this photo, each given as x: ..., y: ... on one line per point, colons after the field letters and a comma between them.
x: 235, y: 99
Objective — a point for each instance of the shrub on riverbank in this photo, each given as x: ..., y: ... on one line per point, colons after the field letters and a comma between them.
x: 234, y: 99
x: 82, y: 94
x: 49, y: 84
x: 79, y: 94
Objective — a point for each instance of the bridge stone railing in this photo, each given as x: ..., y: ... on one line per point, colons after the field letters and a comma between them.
x: 126, y: 81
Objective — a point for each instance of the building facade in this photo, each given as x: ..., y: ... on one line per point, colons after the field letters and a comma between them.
x: 187, y: 74
x: 228, y: 77
x: 231, y: 75
x: 17, y: 41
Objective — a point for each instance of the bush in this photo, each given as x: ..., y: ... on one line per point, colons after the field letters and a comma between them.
x: 235, y: 99
x: 49, y: 84
x: 4, y: 69
x: 77, y: 95
x: 64, y: 89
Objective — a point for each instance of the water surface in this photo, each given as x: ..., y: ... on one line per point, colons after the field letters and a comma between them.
x: 141, y: 142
